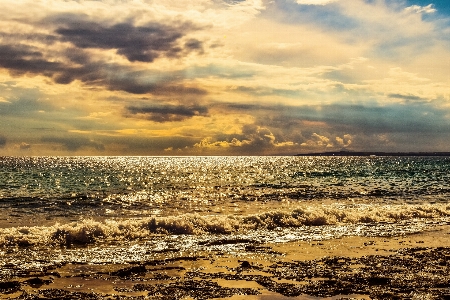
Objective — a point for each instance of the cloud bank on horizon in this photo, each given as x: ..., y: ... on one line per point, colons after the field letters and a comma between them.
x: 223, y: 77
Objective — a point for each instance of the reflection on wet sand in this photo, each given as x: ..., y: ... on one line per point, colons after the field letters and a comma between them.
x: 407, y: 266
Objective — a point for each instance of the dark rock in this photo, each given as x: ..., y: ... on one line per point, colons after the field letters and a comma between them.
x: 379, y: 281
x: 130, y: 271
x: 245, y: 264
x: 9, y: 287
x: 37, y: 282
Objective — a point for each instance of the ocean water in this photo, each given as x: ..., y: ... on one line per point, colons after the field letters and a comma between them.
x: 55, y: 210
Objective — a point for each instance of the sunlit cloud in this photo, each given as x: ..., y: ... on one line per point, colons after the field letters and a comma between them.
x: 429, y: 9
x: 24, y: 146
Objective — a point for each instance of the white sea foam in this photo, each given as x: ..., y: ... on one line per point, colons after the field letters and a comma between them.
x: 89, y: 231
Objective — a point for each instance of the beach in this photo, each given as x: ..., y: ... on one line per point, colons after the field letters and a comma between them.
x: 413, y: 266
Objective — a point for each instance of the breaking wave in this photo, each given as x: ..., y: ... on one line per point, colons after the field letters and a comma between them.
x: 89, y: 231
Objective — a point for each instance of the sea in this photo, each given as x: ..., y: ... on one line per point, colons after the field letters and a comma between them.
x: 118, y: 210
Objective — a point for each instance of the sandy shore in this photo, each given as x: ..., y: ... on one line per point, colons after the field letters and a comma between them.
x: 412, y: 267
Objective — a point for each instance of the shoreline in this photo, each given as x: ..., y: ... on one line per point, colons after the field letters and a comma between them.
x: 350, y: 267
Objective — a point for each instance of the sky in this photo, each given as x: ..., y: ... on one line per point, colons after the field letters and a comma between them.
x: 223, y: 77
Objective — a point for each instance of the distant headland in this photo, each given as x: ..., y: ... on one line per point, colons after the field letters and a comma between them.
x: 368, y: 153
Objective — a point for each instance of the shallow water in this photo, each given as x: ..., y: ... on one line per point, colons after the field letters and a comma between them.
x: 83, y: 200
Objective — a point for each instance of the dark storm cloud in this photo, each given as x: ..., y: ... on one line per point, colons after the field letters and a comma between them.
x: 73, y: 143
x: 137, y: 43
x: 47, y: 39
x: 22, y: 59
x: 194, y: 44
x: 2, y: 141
x: 167, y: 113
x: 77, y: 56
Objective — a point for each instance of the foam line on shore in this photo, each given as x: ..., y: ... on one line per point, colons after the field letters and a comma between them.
x: 88, y: 231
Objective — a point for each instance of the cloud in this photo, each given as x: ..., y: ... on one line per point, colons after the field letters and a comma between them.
x: 23, y: 59
x: 243, y: 76
x: 166, y: 113
x: 315, y: 2
x: 318, y: 141
x: 209, y: 143
x: 143, y: 145
x: 323, y: 13
x: 194, y: 45
x: 73, y: 143
x: 80, y: 49
x: 258, y: 136
x: 233, y: 2
x: 410, y: 114
x: 139, y: 83
x: 24, y: 146
x: 26, y: 104
x: 372, y: 28
x: 344, y: 142
x: 368, y: 118
x: 337, y: 126
x: 429, y: 9
x: 136, y: 43
x: 2, y: 141
x: 407, y: 97
x: 254, y: 139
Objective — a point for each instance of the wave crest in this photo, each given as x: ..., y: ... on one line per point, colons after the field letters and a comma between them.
x: 88, y: 231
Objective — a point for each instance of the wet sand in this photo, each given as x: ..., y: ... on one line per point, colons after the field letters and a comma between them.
x: 405, y: 267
